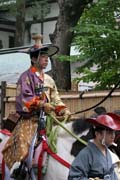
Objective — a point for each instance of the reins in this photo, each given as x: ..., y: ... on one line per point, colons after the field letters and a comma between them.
x: 69, y: 132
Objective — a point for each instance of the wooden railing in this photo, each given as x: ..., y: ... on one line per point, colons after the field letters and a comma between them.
x: 75, y: 100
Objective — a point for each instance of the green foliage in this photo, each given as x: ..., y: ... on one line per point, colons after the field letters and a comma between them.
x: 9, y: 5
x: 97, y: 37
x: 37, y: 9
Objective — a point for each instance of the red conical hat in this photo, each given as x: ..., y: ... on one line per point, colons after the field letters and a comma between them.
x: 108, y: 120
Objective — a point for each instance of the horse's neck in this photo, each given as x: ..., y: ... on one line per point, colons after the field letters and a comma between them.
x: 62, y: 132
x: 65, y: 141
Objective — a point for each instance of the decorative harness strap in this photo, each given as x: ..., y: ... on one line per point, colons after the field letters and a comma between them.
x: 3, y: 169
x: 5, y: 132
x: 45, y: 148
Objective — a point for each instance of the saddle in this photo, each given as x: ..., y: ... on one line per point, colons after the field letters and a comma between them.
x: 11, y: 121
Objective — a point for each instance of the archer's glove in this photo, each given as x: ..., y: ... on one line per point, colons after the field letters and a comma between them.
x: 65, y: 112
x: 48, y: 107
x: 62, y: 111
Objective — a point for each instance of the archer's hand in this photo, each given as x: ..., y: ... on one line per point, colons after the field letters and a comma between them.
x: 62, y: 113
x: 48, y: 107
x: 65, y: 113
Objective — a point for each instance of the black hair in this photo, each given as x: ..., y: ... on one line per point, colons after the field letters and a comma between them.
x: 34, y: 54
x: 95, y: 129
x: 37, y: 52
x: 100, y: 110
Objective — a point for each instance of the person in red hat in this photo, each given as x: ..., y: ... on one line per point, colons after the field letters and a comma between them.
x: 94, y: 162
x: 36, y: 93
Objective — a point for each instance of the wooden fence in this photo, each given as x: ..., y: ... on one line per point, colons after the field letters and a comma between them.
x: 76, y: 101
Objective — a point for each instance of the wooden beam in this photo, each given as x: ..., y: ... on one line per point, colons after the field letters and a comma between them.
x: 3, y: 94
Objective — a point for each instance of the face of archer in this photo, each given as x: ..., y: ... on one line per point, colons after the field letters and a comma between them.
x: 43, y: 61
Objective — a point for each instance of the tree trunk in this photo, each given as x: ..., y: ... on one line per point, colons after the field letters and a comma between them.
x: 69, y: 14
x: 20, y: 23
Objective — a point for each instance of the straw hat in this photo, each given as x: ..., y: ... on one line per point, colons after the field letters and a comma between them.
x: 108, y: 120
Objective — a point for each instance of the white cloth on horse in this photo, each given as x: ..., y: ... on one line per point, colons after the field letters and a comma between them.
x: 116, y: 161
x: 115, y: 158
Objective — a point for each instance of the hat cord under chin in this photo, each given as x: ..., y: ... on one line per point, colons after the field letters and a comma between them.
x: 103, y: 140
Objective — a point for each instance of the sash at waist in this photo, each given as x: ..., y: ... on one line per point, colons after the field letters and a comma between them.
x: 27, y: 115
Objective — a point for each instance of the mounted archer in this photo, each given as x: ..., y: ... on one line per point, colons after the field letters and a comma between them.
x: 36, y: 96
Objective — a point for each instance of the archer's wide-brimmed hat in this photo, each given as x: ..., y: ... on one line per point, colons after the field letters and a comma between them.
x: 48, y: 49
x: 110, y: 120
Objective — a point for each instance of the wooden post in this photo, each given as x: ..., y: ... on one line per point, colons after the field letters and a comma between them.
x: 3, y: 94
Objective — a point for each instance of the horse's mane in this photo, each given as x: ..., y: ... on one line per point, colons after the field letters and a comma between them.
x: 80, y: 125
